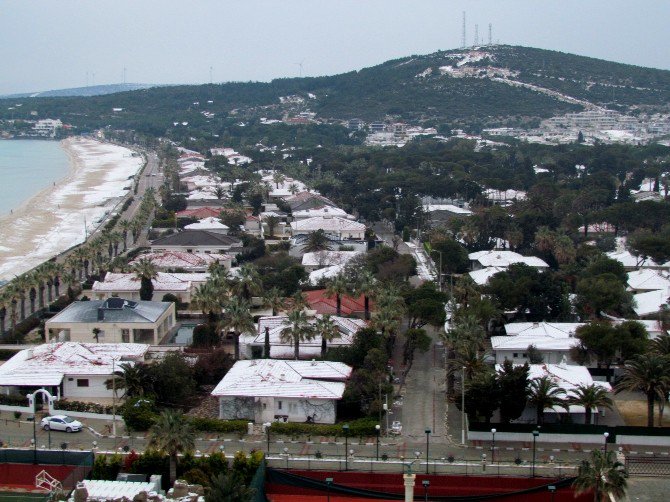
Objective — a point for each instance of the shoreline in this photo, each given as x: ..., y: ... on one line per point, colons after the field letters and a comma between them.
x: 54, y: 219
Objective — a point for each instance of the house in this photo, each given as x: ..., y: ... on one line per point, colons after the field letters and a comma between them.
x: 253, y: 345
x: 307, y: 200
x: 440, y: 213
x: 318, y: 277
x: 211, y: 224
x: 334, y: 226
x: 568, y: 377
x: 68, y: 369
x: 298, y: 243
x: 181, y: 285
x: 171, y: 261
x: 199, y: 213
x: 553, y: 341
x: 322, y: 211
x: 640, y: 281
x: 320, y: 259
x: 197, y: 241
x: 115, y: 320
x: 483, y: 275
x: 649, y: 304
x: 632, y: 262
x: 266, y: 390
x: 321, y: 303
x: 503, y: 259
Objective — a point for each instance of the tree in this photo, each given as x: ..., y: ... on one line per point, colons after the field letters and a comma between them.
x: 172, y: 434
x: 545, y: 394
x: 316, y: 241
x: 603, y: 475
x: 603, y: 293
x: 207, y: 298
x: 228, y: 487
x: 513, y: 388
x: 482, y: 397
x: 646, y: 373
x: 248, y: 282
x: 591, y: 397
x: 534, y: 355
x: 326, y: 328
x: 172, y: 381
x: 425, y: 305
x: 135, y: 379
x: 145, y: 271
x: 238, y: 318
x: 365, y: 284
x: 272, y: 222
x: 454, y: 256
x: 296, y: 330
x: 274, y: 299
x: 415, y: 339
x: 337, y: 287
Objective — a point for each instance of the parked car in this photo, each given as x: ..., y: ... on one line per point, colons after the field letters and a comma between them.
x: 60, y: 423
x: 396, y: 428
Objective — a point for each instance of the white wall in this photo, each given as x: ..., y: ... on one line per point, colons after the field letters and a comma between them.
x: 96, y: 387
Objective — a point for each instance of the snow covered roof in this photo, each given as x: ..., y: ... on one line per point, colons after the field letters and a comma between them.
x: 346, y: 326
x: 327, y: 258
x: 631, y: 261
x: 429, y: 208
x: 112, y: 310
x: 47, y: 364
x: 483, y: 275
x: 543, y: 335
x: 321, y: 211
x: 183, y: 260
x: 330, y: 224
x: 209, y: 223
x: 650, y: 302
x: 324, y: 273
x: 116, y: 490
x: 500, y: 258
x: 164, y: 281
x: 647, y: 280
x: 288, y: 379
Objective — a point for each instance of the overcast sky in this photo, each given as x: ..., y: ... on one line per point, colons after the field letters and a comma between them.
x: 59, y: 44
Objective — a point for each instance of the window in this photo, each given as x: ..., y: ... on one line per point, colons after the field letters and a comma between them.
x: 516, y: 354
x: 82, y: 382
x: 279, y: 405
x: 125, y: 335
x: 525, y: 355
x: 293, y: 407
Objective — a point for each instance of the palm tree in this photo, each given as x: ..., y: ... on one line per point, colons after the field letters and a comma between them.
x: 647, y: 373
x: 278, y: 178
x: 299, y: 301
x: 365, y: 285
x: 326, y: 328
x: 96, y: 334
x: 272, y: 222
x: 12, y: 294
x: 274, y: 299
x: 125, y: 226
x: 337, y: 287
x: 603, y: 475
x: 23, y: 285
x: 227, y: 487
x: 544, y: 393
x: 134, y: 379
x: 591, y: 397
x: 316, y: 241
x: 238, y: 318
x: 145, y: 271
x: 207, y: 298
x: 4, y: 301
x: 172, y: 434
x: 660, y: 345
x: 298, y: 329
x: 465, y: 338
x: 248, y: 282
x: 385, y: 321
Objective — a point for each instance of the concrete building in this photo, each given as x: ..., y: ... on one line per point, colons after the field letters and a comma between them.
x: 181, y: 285
x: 197, y: 241
x: 267, y: 390
x: 339, y: 228
x: 115, y: 320
x: 553, y: 341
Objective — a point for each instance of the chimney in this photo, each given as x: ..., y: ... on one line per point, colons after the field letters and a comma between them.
x: 101, y: 314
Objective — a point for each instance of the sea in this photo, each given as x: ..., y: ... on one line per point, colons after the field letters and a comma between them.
x: 26, y: 168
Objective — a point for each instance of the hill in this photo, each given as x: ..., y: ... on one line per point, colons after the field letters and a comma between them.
x: 496, y: 85
x: 91, y: 90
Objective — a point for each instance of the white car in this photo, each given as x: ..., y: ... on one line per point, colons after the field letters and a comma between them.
x: 60, y: 423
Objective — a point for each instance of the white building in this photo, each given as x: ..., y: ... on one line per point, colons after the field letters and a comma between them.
x: 632, y: 262
x: 339, y: 228
x: 266, y: 390
x: 552, y: 340
x: 181, y: 285
x: 320, y: 259
x: 68, y: 370
x: 47, y: 127
x: 323, y: 212
x: 211, y: 224
x: 503, y: 259
x: 190, y: 262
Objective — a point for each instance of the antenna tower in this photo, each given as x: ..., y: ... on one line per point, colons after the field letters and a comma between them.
x: 490, y: 34
x: 463, y: 33
x: 476, y: 34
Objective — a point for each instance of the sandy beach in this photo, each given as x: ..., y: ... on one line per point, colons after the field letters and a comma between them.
x: 53, y: 220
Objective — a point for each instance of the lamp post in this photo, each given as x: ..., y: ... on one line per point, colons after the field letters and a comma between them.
x: 425, y: 484
x: 427, y: 446
x: 345, y: 430
x: 463, y: 407
x: 378, y: 430
x: 439, y: 271
x: 287, y: 455
x: 536, y: 433
x: 606, y: 435
x: 34, y: 440
x: 552, y: 490
x: 493, y: 445
x: 329, y: 481
x: 267, y: 431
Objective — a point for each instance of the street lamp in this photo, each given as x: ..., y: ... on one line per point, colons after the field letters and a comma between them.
x: 267, y: 431
x: 427, y: 446
x: 329, y: 481
x: 345, y: 430
x: 425, y: 484
x: 287, y: 455
x: 378, y: 430
x: 34, y: 439
x: 552, y: 490
x: 606, y: 435
x: 493, y: 445
x: 536, y: 433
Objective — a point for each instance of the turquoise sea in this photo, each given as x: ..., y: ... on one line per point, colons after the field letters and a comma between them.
x: 26, y: 168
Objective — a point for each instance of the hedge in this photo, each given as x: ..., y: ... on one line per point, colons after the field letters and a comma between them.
x: 84, y: 407
x: 217, y: 425
x: 357, y: 428
x: 13, y: 400
x: 7, y: 354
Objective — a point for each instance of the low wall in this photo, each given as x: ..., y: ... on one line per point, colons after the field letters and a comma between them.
x: 83, y: 414
x: 625, y: 439
x: 544, y: 437
x: 21, y: 409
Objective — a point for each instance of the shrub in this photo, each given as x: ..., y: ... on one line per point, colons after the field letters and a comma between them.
x: 357, y: 428
x: 139, y: 414
x: 217, y: 425
x: 13, y: 400
x: 83, y: 407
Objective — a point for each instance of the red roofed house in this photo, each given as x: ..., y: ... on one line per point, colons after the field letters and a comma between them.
x: 199, y: 213
x: 323, y: 304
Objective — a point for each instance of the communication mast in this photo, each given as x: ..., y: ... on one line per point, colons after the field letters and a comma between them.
x: 463, y: 33
x: 490, y: 34
x: 476, y: 34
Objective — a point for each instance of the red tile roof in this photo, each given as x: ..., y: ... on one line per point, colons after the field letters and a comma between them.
x: 200, y: 212
x: 319, y: 301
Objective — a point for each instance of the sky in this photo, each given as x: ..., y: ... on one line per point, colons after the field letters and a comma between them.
x: 48, y: 45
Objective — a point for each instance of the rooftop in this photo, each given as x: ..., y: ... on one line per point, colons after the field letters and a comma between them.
x: 543, y: 335
x: 196, y: 238
x: 327, y: 224
x: 47, y: 364
x: 210, y: 223
x: 165, y: 281
x: 179, y: 259
x: 501, y: 258
x: 647, y: 280
x: 111, y: 310
x: 288, y: 379
x: 327, y: 258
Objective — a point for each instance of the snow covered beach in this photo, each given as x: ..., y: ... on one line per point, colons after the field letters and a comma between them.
x: 53, y: 220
